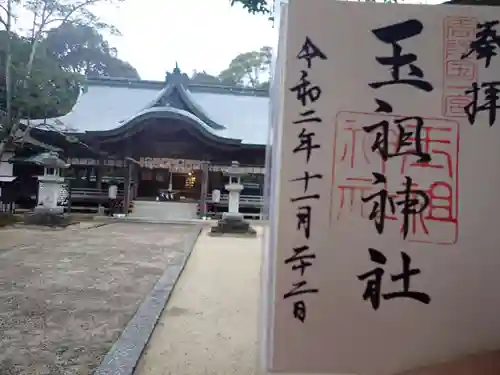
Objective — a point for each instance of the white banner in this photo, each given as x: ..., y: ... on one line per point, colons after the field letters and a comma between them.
x: 387, y: 250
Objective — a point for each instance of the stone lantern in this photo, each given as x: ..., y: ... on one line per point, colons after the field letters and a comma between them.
x: 234, y: 188
x: 51, y: 184
x: 232, y: 221
x: 51, y: 188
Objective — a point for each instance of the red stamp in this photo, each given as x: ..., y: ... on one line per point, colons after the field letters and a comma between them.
x: 460, y: 27
x: 461, y: 69
x: 454, y: 105
x: 355, y: 162
x: 455, y: 48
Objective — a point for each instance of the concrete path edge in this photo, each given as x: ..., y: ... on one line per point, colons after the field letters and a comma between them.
x: 125, y: 353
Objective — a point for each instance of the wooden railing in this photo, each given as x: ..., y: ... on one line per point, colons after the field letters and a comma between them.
x: 90, y: 199
x: 245, y: 200
x: 92, y: 194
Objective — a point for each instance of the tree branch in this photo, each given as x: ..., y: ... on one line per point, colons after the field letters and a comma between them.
x: 33, y: 26
x: 3, y: 22
x: 76, y: 8
x: 43, y: 22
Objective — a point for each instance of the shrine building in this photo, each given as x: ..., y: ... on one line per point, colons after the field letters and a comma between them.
x: 153, y: 137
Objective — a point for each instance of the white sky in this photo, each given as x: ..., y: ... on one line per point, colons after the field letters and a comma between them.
x: 198, y: 34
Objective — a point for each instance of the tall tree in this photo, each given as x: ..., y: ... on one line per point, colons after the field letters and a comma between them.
x: 82, y: 49
x: 204, y: 78
x: 49, y: 13
x: 50, y: 92
x: 6, y: 21
x: 249, y: 68
x: 45, y: 15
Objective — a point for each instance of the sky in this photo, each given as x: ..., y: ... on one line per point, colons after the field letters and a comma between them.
x: 198, y: 34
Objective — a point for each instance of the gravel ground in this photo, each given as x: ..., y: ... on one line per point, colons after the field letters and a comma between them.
x: 65, y: 296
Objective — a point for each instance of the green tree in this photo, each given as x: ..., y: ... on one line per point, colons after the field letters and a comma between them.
x: 203, y: 78
x: 49, y: 13
x: 82, y: 49
x: 45, y: 15
x: 255, y: 6
x: 50, y: 92
x: 248, y: 69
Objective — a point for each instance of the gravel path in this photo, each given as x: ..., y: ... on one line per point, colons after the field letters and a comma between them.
x: 65, y: 296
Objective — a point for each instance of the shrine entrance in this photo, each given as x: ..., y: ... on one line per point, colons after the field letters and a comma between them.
x: 166, y: 185
x: 165, y: 195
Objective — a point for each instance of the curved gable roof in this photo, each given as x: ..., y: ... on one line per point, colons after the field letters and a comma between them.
x: 177, y: 88
x: 136, y: 123
x: 109, y: 104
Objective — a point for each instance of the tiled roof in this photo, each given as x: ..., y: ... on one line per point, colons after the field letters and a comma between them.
x: 245, y: 117
x: 233, y: 113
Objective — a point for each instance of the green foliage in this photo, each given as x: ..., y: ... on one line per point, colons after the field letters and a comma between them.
x: 82, y: 49
x: 33, y: 83
x: 47, y: 64
x: 247, y: 69
x: 254, y: 6
x: 264, y: 6
x: 49, y: 92
x: 203, y: 78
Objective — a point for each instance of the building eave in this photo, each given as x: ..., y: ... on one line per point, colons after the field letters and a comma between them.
x: 136, y: 123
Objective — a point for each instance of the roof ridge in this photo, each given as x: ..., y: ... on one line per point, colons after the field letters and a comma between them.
x: 150, y: 84
x: 238, y: 88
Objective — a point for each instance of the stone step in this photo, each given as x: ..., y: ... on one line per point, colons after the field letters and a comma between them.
x: 164, y: 210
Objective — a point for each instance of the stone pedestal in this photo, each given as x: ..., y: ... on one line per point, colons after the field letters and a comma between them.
x: 48, y: 211
x: 234, y: 190
x: 232, y: 222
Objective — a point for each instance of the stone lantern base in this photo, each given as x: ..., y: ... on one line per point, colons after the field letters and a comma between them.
x: 233, y: 224
x: 47, y: 217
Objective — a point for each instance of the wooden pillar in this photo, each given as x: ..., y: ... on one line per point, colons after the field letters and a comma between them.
x: 127, y: 151
x: 137, y: 177
x: 99, y: 173
x: 204, y: 189
x: 170, y: 186
x: 88, y: 174
x: 126, y: 187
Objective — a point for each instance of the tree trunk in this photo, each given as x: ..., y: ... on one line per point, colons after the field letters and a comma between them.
x: 31, y: 59
x: 8, y: 123
x: 14, y: 125
x: 8, y: 63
